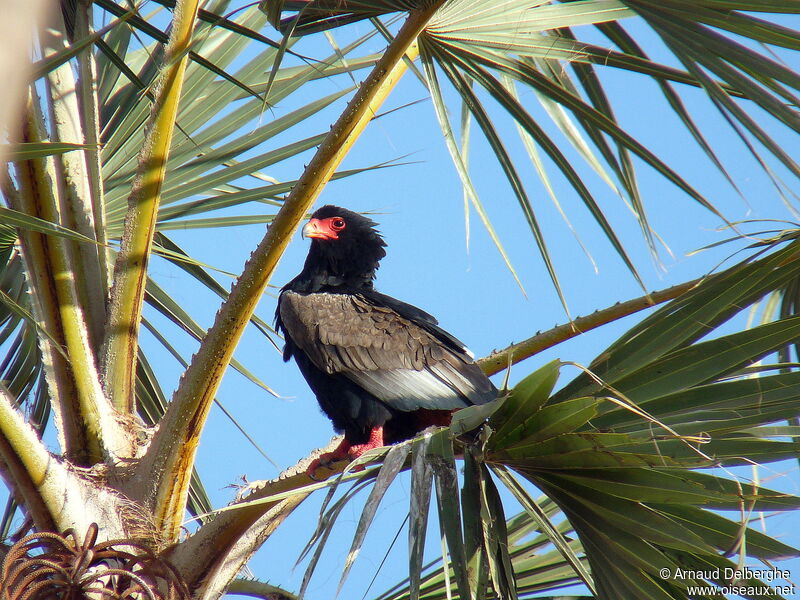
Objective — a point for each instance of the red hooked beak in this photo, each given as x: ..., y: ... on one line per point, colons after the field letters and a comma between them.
x: 322, y: 229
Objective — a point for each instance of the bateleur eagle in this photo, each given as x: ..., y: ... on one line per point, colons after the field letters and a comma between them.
x: 381, y: 369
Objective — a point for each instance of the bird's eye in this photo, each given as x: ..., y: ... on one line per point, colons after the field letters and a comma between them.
x: 337, y: 223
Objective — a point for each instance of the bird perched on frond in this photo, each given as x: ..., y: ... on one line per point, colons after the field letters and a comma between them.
x: 381, y: 369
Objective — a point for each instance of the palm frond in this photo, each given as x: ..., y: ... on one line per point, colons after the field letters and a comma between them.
x: 617, y: 451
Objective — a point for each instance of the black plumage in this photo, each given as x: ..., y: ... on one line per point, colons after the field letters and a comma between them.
x: 381, y: 369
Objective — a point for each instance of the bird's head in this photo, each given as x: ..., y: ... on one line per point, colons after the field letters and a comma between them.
x: 344, y: 245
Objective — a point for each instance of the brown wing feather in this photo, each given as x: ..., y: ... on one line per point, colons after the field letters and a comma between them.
x: 392, y: 357
x: 342, y: 332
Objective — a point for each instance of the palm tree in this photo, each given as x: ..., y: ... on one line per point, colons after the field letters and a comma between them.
x: 135, y: 126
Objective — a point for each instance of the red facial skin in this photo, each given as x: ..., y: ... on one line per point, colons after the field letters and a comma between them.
x: 324, y: 229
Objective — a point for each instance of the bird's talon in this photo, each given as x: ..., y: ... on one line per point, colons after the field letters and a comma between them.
x: 312, y: 469
x: 325, y: 461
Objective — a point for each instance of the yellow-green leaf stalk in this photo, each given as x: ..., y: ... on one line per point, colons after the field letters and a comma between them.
x: 130, y: 271
x: 73, y: 382
x: 502, y: 359
x: 173, y: 450
x: 74, y: 188
x: 25, y: 460
x: 90, y: 114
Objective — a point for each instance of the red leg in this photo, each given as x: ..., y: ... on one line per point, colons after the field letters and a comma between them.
x: 375, y: 441
x: 346, y: 450
x: 339, y: 453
